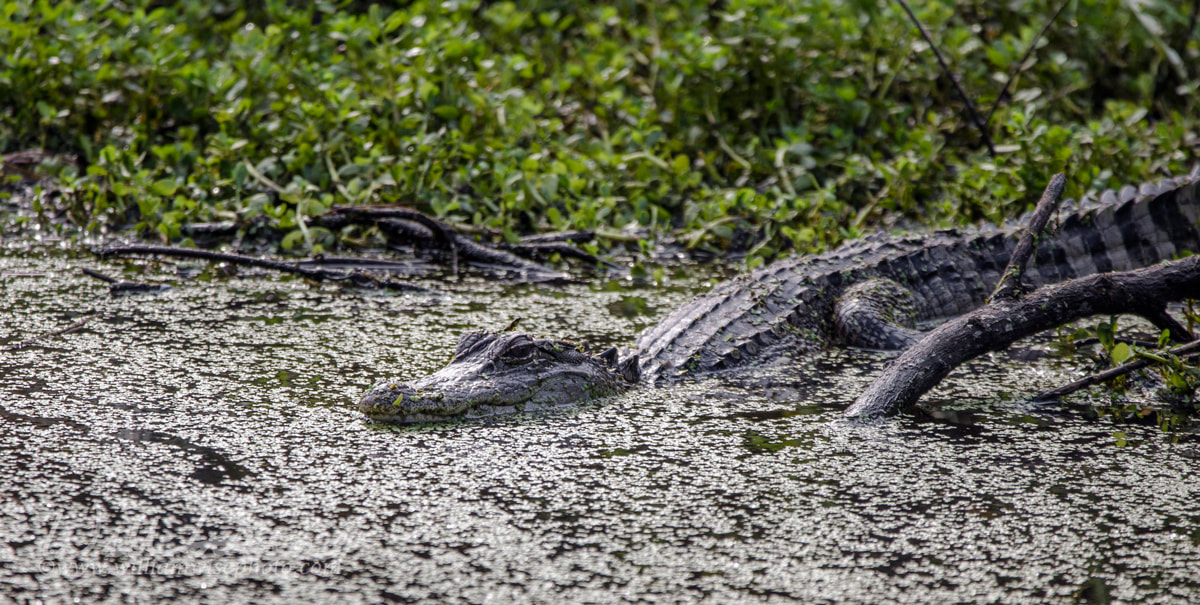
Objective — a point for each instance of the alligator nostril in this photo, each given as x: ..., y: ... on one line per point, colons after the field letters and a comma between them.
x: 401, y: 387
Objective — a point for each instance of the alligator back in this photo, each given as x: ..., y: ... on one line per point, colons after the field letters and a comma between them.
x: 790, y: 302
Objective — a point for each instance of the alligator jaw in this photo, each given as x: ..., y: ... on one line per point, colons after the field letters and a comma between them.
x: 398, y: 402
x: 494, y: 374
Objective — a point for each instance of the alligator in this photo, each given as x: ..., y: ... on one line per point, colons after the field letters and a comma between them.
x: 871, y: 293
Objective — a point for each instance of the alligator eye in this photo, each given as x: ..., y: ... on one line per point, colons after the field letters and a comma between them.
x: 522, y: 353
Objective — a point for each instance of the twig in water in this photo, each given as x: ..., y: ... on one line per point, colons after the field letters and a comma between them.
x: 100, y: 276
x: 578, y: 237
x: 482, y: 255
x: 1110, y: 374
x: 403, y: 225
x: 90, y: 315
x: 408, y: 267
x: 563, y: 249
x: 1021, y: 64
x: 971, y: 111
x: 1092, y: 340
x: 116, y: 286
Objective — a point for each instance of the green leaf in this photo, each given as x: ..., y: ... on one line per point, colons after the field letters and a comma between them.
x: 1119, y: 436
x: 148, y: 206
x: 1176, y: 381
x: 291, y: 239
x: 164, y: 188
x: 426, y: 89
x: 1121, y: 353
x: 680, y: 164
x: 446, y: 112
x: 1164, y: 338
x: 549, y: 188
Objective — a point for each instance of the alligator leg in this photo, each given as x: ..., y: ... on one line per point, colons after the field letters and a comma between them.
x: 876, y: 314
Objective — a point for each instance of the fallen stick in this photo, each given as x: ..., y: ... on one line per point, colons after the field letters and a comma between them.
x: 469, y: 249
x: 408, y: 267
x: 1012, y: 314
x: 1111, y: 373
x: 577, y: 237
x: 405, y: 226
x: 90, y: 315
x: 996, y: 326
x: 561, y: 248
x: 443, y: 232
x: 1092, y: 340
x: 116, y: 286
x: 358, y: 278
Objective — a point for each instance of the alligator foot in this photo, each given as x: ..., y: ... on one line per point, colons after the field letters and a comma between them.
x: 876, y: 314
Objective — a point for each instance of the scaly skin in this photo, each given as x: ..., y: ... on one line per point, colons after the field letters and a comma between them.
x: 806, y: 303
x: 792, y: 302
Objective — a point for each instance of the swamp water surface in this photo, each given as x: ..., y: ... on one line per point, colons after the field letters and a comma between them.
x: 201, y: 444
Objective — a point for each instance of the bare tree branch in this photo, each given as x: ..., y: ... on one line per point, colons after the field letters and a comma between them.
x: 89, y: 316
x: 1010, y: 283
x: 997, y: 325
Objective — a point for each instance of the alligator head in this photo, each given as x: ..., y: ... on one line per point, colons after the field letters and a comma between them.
x: 500, y: 373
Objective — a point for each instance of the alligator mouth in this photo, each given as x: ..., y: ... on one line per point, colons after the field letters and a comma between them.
x: 399, y: 403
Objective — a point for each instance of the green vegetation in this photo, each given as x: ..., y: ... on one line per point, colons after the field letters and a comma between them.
x: 1147, y: 382
x: 735, y: 123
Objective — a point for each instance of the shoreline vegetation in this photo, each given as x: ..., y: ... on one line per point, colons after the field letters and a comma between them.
x: 749, y: 127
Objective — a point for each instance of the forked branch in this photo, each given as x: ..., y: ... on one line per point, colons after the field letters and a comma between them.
x: 1012, y: 314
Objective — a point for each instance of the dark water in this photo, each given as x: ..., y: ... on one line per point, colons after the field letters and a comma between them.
x: 201, y: 445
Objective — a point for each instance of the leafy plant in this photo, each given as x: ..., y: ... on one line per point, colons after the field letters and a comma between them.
x: 746, y: 124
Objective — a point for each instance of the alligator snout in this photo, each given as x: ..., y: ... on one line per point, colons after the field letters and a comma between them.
x: 402, y: 402
x: 386, y: 395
